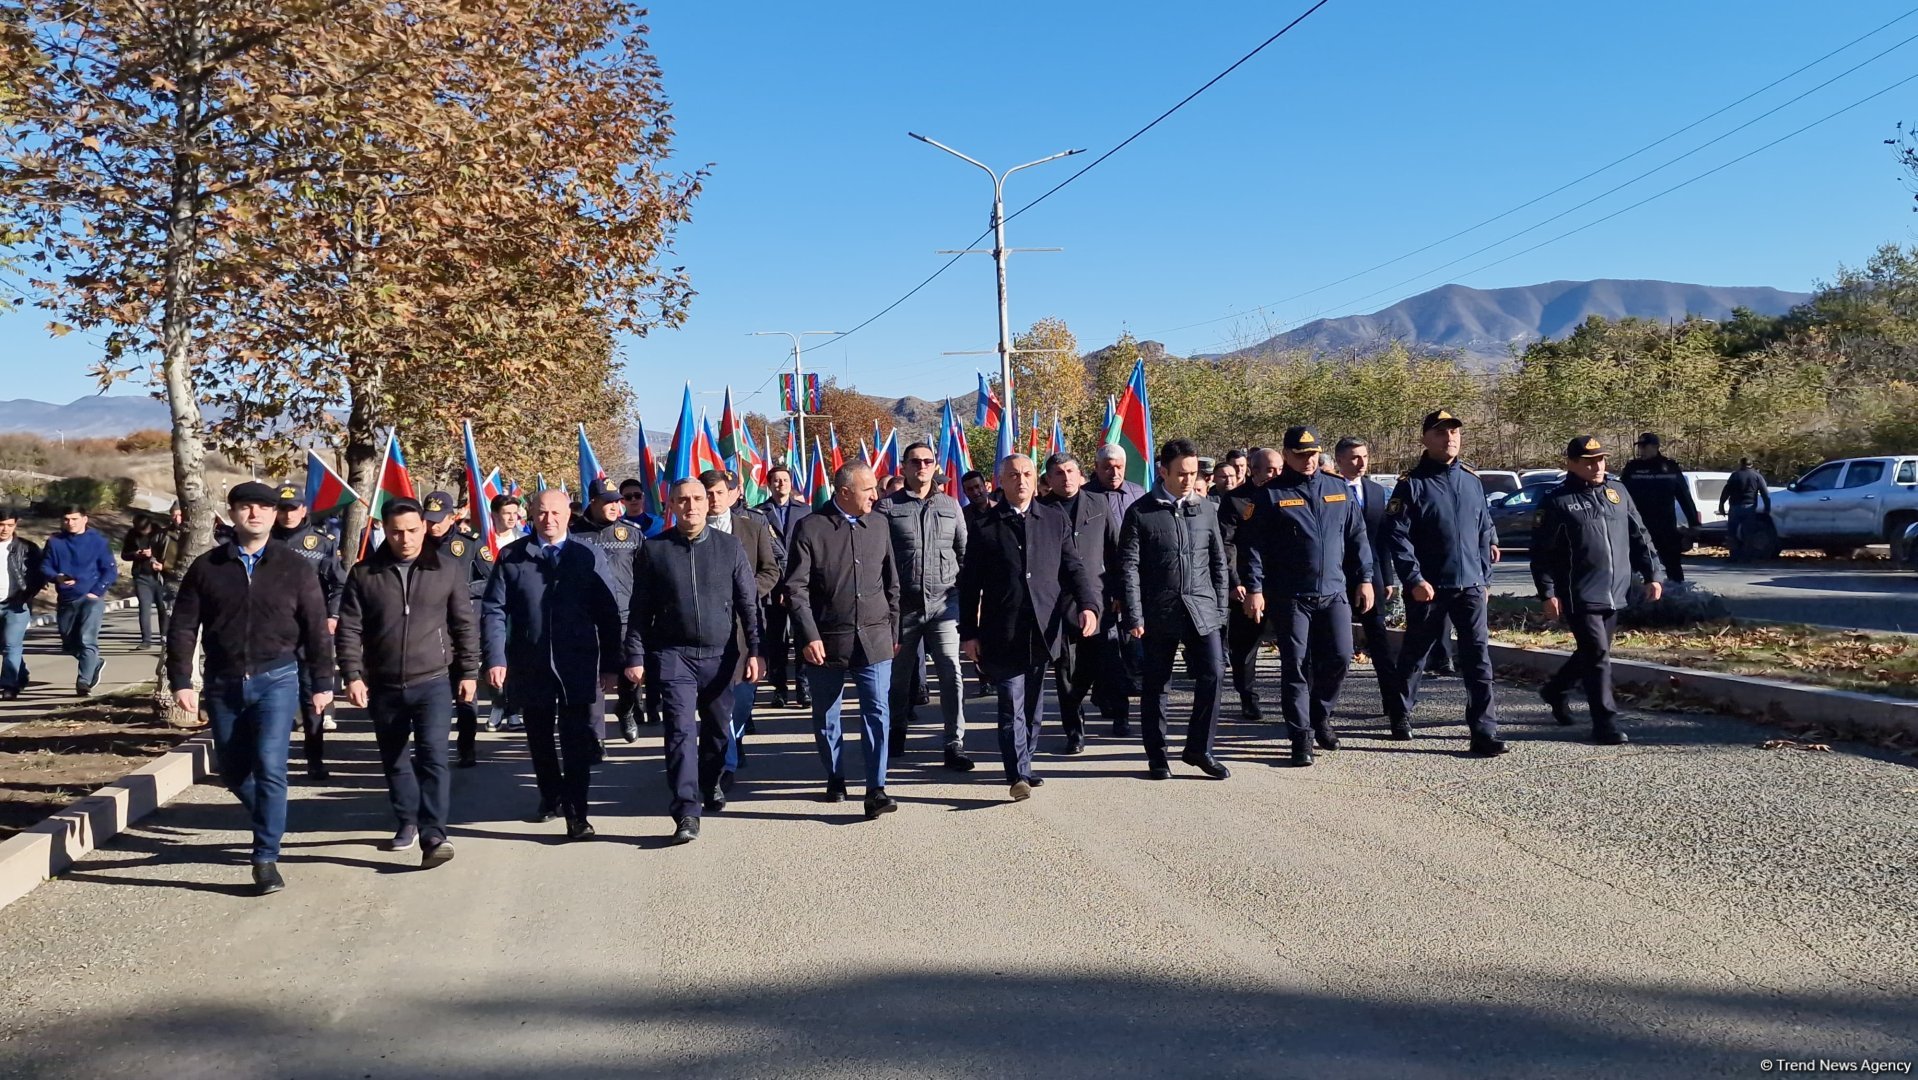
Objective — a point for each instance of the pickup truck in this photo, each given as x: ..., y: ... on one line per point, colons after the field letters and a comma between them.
x: 1841, y: 506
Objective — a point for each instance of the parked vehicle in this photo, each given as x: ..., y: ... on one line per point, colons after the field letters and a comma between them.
x: 1706, y: 488
x: 1499, y: 482
x: 1841, y: 506
x: 1514, y: 513
x: 1530, y: 476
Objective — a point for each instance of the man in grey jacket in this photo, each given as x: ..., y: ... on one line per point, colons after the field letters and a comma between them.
x: 929, y: 545
x: 1172, y: 563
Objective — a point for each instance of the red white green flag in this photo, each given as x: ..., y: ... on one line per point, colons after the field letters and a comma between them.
x: 1131, y: 428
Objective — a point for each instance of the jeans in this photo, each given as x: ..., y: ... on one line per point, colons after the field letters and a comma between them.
x: 151, y: 591
x: 1204, y: 654
x: 13, y: 639
x: 872, y: 683
x: 420, y: 788
x: 79, y: 622
x: 939, y: 633
x: 252, y: 721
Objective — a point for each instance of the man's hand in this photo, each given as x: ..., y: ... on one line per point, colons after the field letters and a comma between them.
x: 1654, y: 591
x: 321, y: 701
x: 969, y: 648
x: 755, y: 668
x: 1238, y: 594
x: 356, y: 693
x: 93, y: 596
x: 636, y: 674
x: 1391, y: 591
x: 187, y: 701
x: 1494, y: 552
x: 158, y: 566
x: 332, y: 626
x: 1365, y: 598
x: 1088, y: 622
x: 496, y: 677
x: 609, y: 681
x: 1136, y: 632
x: 1423, y: 592
x: 468, y: 690
x: 1551, y: 608
x: 1255, y: 606
x: 814, y: 653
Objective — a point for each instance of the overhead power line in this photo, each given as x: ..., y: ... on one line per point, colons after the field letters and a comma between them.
x: 1607, y: 167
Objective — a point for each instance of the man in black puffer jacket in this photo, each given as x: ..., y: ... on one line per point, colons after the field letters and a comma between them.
x: 693, y: 589
x: 407, y: 628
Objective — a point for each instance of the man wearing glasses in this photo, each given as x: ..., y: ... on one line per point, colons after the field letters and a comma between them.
x: 928, y: 532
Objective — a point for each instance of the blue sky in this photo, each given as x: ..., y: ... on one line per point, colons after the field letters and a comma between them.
x: 1373, y: 129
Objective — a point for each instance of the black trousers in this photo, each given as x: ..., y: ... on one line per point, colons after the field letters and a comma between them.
x: 1242, y: 650
x: 1590, y: 664
x: 1465, y: 610
x: 1442, y: 654
x: 1021, y: 712
x: 1205, y: 658
x: 1072, y: 676
x: 420, y: 789
x: 1378, y: 646
x: 696, y: 696
x: 564, y: 743
x: 1315, y: 650
x: 778, y: 648
x: 313, y: 740
x: 1116, y: 681
x: 1669, y: 545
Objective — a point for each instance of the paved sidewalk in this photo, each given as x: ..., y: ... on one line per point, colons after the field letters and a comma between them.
x: 52, y: 672
x: 1686, y: 905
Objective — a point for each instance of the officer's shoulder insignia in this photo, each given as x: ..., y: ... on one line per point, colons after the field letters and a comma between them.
x: 458, y: 548
x: 1338, y: 496
x: 310, y: 542
x: 486, y: 553
x: 1246, y: 510
x: 619, y: 532
x: 1468, y: 468
x: 1611, y: 493
x: 1394, y: 506
x: 1291, y: 502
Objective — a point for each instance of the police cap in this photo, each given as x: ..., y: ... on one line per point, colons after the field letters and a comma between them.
x: 402, y: 505
x: 291, y: 496
x: 605, y: 495
x: 1585, y: 447
x: 1441, y: 418
x: 253, y: 493
x: 437, y: 506
x: 1301, y: 440
x: 1650, y: 438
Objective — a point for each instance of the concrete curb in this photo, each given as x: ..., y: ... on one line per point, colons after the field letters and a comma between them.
x: 1844, y: 713
x: 48, y: 848
x: 48, y: 618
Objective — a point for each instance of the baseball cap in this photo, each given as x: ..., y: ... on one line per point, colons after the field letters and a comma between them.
x: 1585, y: 447
x: 436, y: 506
x: 1301, y: 439
x: 1441, y: 418
x: 253, y: 493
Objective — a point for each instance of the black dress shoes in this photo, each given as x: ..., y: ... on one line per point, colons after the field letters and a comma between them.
x: 1036, y: 781
x: 1158, y: 770
x: 545, y: 813
x: 267, y: 879
x: 687, y: 830
x: 1301, y: 754
x: 715, y: 800
x: 836, y: 789
x: 957, y: 761
x: 1121, y: 729
x: 878, y: 802
x: 629, y: 728
x: 1249, y: 709
x: 1326, y: 738
x: 1487, y: 747
x: 1610, y: 737
x: 1207, y: 764
x: 777, y: 701
x: 1561, y: 710
x: 1075, y: 744
x: 580, y: 829
x: 1402, y: 731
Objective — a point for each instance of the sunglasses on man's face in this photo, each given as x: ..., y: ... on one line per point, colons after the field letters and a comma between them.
x: 634, y: 496
x: 922, y: 461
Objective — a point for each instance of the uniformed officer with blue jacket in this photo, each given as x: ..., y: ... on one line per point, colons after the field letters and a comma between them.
x: 1443, y: 545
x: 1303, y: 541
x: 1587, y: 541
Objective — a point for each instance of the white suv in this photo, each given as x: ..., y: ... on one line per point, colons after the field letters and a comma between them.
x: 1841, y: 506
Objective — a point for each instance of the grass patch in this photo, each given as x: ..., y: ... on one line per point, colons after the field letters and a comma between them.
x: 1862, y: 660
x: 46, y: 764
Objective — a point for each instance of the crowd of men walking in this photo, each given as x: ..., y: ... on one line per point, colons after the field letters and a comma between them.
x: 1047, y: 574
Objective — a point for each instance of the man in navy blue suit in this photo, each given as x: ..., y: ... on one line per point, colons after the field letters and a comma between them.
x: 552, y: 636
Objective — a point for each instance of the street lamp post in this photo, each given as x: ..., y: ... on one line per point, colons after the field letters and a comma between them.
x: 999, y: 252
x: 799, y: 375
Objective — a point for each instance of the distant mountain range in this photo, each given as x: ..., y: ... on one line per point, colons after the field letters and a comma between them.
x: 1488, y: 323
x: 96, y: 417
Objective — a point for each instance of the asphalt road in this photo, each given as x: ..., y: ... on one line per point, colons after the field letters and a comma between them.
x: 1866, y: 594
x: 1689, y: 904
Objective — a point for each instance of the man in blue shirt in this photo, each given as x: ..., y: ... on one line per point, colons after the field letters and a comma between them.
x: 80, y: 563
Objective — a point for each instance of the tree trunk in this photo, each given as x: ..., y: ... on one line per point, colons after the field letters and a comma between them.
x: 362, y: 465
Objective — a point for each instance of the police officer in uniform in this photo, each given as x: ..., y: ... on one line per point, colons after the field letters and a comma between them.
x: 619, y: 540
x: 1658, y: 486
x: 312, y: 543
x: 1587, y: 541
x: 1304, y: 543
x: 456, y: 544
x: 1443, y: 546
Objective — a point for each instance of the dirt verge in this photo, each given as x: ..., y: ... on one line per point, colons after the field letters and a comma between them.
x: 48, y: 763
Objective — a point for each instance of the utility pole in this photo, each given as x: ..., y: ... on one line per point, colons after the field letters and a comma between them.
x: 799, y: 375
x: 999, y: 253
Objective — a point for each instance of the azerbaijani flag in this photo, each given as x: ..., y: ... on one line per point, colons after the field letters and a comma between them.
x: 325, y: 491
x: 729, y: 442
x: 1058, y: 434
x: 649, y: 479
x: 792, y: 448
x: 394, y: 483
x: 953, y: 460
x: 1131, y: 428
x: 990, y: 414
x: 820, y: 487
x: 491, y: 488
x: 1007, y: 443
x: 706, y: 447
x: 681, y: 456
x: 752, y: 467
x: 539, y: 481
x: 838, y: 462
x: 865, y: 457
x: 1112, y: 409
x: 479, y: 502
x: 1032, y: 443
x: 592, y: 478
x: 885, y: 457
